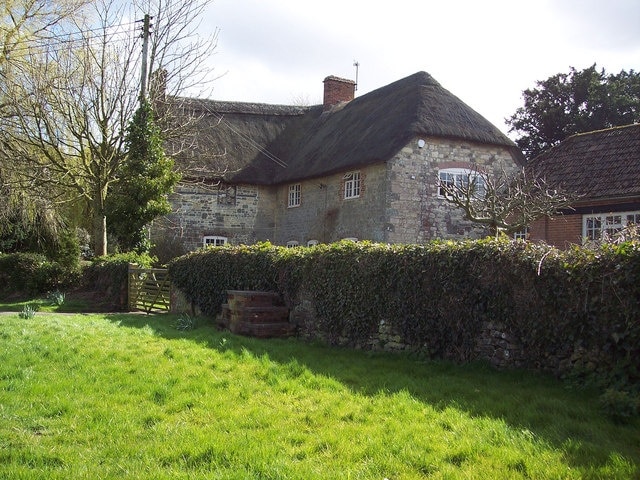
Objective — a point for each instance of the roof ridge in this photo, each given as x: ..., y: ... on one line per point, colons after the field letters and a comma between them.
x: 601, y: 130
x: 232, y: 106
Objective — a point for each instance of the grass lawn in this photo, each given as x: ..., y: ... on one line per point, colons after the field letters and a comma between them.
x: 130, y: 396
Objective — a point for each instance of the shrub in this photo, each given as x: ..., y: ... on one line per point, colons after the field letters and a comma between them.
x: 186, y: 322
x: 205, y: 276
x: 67, y: 251
x: 167, y: 248
x: 31, y: 274
x: 28, y: 312
x: 57, y: 297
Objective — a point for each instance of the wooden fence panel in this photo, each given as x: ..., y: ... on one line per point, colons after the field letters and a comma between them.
x: 149, y: 289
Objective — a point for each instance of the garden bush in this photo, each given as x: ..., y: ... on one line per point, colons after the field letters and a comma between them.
x: 30, y: 274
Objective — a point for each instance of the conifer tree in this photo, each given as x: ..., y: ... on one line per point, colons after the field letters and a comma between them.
x: 145, y: 179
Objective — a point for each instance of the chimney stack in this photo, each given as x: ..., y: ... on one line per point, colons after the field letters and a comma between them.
x: 337, y: 90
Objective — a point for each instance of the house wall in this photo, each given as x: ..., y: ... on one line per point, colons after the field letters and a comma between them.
x: 242, y: 213
x: 326, y: 216
x: 560, y: 231
x: 414, y: 211
x: 398, y: 203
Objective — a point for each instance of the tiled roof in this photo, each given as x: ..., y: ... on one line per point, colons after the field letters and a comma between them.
x: 601, y: 164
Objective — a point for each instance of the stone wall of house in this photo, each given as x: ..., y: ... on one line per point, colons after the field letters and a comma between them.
x: 398, y: 203
x: 326, y: 216
x: 415, y: 213
x: 242, y: 213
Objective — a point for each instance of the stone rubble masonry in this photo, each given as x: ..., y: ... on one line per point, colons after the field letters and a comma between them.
x: 493, y: 343
x: 415, y: 212
x: 197, y: 213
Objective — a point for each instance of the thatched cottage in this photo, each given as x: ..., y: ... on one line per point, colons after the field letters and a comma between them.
x: 363, y: 168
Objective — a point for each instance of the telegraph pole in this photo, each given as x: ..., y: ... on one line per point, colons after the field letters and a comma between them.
x: 146, y: 31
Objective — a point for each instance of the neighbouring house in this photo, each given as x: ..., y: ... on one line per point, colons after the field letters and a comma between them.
x: 603, y: 168
x: 363, y: 168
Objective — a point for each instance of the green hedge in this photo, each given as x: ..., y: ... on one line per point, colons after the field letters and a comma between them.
x: 579, y: 304
x: 32, y: 274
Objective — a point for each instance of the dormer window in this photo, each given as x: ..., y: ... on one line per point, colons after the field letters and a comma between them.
x: 352, y: 185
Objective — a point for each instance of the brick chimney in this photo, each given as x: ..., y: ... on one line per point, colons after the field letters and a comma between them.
x: 337, y: 90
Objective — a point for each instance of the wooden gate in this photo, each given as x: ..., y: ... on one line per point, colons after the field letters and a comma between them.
x: 149, y: 289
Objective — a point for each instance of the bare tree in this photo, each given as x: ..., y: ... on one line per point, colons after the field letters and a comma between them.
x: 505, y: 203
x: 79, y: 91
x: 25, y: 25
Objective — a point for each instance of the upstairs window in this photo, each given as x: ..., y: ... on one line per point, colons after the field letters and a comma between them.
x: 460, y: 178
x: 352, y: 185
x: 294, y: 195
x: 214, y: 241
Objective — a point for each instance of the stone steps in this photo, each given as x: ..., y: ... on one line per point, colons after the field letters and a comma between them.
x: 256, y: 314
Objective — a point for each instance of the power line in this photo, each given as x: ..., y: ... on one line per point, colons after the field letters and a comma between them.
x: 271, y: 156
x: 274, y: 158
x: 57, y: 42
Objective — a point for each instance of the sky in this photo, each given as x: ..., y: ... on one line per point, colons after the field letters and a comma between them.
x: 484, y: 52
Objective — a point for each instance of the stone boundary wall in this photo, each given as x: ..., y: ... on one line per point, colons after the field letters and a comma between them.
x: 493, y: 344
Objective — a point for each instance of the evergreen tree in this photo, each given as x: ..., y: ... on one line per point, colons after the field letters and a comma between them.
x: 577, y: 102
x: 145, y: 179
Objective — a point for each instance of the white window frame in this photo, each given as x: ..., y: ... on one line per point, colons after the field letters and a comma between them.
x: 596, y: 226
x: 295, y: 195
x: 352, y: 185
x: 521, y: 234
x: 214, y: 241
x: 312, y: 243
x: 293, y: 244
x: 460, y: 177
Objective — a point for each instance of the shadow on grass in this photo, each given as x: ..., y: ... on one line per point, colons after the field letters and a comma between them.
x: 565, y: 417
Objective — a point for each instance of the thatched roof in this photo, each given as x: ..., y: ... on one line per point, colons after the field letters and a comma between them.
x: 223, y: 138
x: 599, y: 165
x: 271, y: 144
